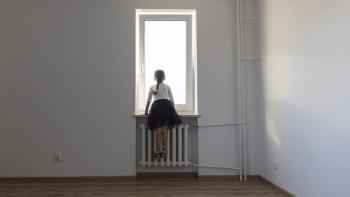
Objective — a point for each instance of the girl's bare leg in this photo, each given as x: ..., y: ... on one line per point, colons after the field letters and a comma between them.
x: 164, y: 138
x: 158, y: 138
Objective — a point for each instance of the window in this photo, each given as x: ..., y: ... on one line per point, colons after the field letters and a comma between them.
x: 166, y: 39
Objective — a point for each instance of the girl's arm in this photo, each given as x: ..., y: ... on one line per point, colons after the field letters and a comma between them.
x: 171, y: 97
x: 147, y: 106
x: 149, y: 99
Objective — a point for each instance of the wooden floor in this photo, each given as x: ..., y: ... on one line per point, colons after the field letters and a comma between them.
x: 138, y: 186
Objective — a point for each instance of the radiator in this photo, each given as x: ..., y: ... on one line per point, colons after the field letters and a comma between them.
x: 178, y: 151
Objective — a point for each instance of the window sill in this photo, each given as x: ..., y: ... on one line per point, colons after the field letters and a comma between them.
x: 182, y: 115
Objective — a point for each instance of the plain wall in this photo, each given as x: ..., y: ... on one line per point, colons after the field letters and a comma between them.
x: 67, y: 85
x: 306, y: 69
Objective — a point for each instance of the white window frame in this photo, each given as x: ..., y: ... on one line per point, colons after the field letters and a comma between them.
x: 189, y: 16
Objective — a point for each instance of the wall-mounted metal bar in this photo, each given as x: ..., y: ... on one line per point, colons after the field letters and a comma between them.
x: 249, y: 58
x: 214, y: 166
x: 216, y: 125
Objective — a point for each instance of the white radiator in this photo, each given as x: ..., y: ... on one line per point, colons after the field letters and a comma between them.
x: 178, y: 152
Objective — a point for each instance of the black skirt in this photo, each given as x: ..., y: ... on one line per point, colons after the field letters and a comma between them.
x: 162, y: 113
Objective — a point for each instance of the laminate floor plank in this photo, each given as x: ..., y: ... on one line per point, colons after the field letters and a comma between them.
x: 138, y: 187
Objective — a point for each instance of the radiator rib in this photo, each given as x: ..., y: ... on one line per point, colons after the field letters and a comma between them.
x: 177, y: 148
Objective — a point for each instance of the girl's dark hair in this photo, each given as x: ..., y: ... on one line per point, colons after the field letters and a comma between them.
x: 160, y: 76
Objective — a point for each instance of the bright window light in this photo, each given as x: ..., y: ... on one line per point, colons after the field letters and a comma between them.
x: 165, y: 48
x: 166, y: 39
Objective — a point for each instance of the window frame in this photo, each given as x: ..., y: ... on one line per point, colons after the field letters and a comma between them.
x: 191, y: 62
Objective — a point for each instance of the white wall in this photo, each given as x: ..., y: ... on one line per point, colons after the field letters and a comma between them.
x: 306, y: 81
x: 217, y: 87
x: 67, y: 85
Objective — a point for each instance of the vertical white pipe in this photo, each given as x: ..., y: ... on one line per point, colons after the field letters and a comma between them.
x: 240, y: 154
x: 244, y: 125
x: 186, y: 144
x: 243, y: 88
x: 174, y: 147
x: 258, y: 31
x: 179, y: 151
x: 238, y: 10
x: 143, y: 144
x: 240, y: 126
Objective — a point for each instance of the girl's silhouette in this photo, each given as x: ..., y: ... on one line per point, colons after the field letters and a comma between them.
x: 162, y: 114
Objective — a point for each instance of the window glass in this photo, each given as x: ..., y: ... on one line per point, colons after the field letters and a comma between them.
x: 165, y: 48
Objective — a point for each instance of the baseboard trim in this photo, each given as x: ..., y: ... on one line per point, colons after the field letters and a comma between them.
x: 230, y: 177
x: 65, y: 179
x: 167, y: 175
x: 278, y: 187
x: 151, y: 175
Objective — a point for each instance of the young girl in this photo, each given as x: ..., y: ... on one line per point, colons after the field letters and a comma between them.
x: 162, y: 114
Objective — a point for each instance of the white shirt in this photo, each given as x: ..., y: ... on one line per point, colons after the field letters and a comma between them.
x: 164, y: 92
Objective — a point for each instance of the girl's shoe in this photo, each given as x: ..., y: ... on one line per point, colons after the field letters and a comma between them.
x: 163, y: 155
x: 156, y: 156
